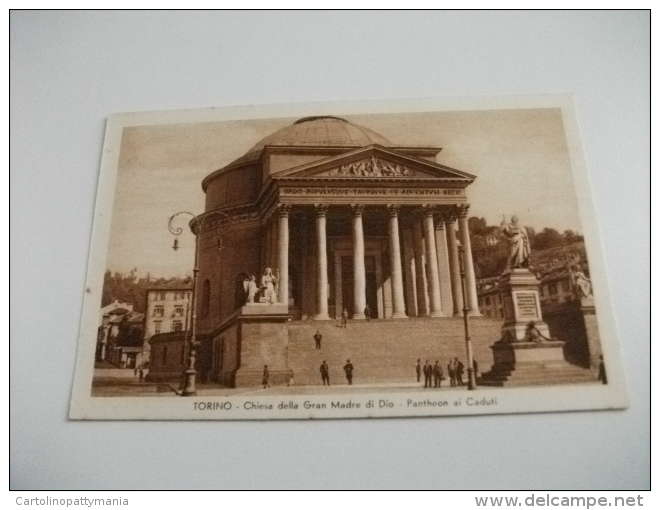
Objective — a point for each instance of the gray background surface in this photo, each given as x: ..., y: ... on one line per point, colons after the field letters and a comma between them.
x: 70, y: 70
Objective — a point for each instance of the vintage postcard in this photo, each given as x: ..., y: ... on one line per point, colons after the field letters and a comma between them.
x: 346, y: 260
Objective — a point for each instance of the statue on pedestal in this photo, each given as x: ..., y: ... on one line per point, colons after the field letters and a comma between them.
x: 520, y: 248
x: 252, y: 289
x: 580, y: 283
x: 268, y: 284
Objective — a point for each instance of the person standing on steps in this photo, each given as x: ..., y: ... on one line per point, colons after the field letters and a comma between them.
x: 344, y: 317
x: 317, y: 339
x: 325, y: 373
x: 265, y: 378
x: 451, y: 370
x: 418, y: 369
x: 428, y: 373
x: 459, y: 371
x: 348, y: 370
x: 367, y: 312
x: 437, y: 373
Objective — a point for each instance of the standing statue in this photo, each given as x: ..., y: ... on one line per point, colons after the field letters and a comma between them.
x: 519, y: 254
x: 268, y: 283
x: 581, y: 284
x: 252, y: 288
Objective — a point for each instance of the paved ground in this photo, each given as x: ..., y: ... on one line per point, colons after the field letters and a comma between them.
x: 123, y: 383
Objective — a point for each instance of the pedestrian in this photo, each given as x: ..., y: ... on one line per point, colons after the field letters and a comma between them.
x: 437, y: 374
x: 344, y: 317
x: 418, y: 369
x: 367, y: 312
x: 348, y: 370
x: 317, y: 339
x: 451, y: 370
x: 265, y: 377
x: 325, y: 373
x: 135, y: 370
x: 459, y: 371
x: 428, y: 374
x: 475, y: 368
x: 602, y: 375
x: 141, y: 374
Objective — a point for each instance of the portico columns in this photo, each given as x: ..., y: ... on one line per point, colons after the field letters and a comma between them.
x: 399, y: 304
x: 321, y: 265
x: 283, y: 253
x: 432, y: 264
x: 443, y: 266
x: 470, y: 279
x: 359, y: 272
x: 454, y: 266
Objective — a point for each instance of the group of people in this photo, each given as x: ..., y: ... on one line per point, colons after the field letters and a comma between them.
x: 344, y: 316
x: 434, y: 374
x: 325, y: 372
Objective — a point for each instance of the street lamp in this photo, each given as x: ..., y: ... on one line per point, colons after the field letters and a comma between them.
x: 196, y: 224
x: 472, y: 381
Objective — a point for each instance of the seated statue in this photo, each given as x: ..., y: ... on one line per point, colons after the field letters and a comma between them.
x: 268, y: 284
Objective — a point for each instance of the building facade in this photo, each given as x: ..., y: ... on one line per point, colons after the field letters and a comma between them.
x: 167, y: 310
x: 348, y: 222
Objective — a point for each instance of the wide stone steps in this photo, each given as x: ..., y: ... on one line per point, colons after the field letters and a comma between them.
x: 384, y: 350
x: 537, y: 374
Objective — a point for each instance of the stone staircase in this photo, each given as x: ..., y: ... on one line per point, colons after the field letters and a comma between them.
x: 533, y: 374
x: 384, y: 351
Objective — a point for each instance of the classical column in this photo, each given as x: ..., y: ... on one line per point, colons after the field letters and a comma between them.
x: 443, y: 266
x: 321, y: 265
x: 454, y: 266
x: 420, y: 266
x: 470, y: 279
x: 411, y: 272
x: 432, y: 264
x: 398, y: 302
x: 359, y: 272
x: 283, y: 252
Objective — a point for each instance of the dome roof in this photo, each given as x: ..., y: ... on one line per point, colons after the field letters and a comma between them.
x: 317, y: 131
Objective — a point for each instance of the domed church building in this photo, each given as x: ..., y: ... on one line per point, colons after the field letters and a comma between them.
x: 328, y: 227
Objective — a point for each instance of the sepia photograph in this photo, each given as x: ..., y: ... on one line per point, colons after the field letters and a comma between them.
x: 372, y: 264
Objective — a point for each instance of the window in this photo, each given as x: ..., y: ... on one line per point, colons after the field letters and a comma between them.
x: 157, y: 327
x: 552, y: 288
x: 159, y: 311
x: 206, y: 298
x: 178, y: 310
x: 177, y: 326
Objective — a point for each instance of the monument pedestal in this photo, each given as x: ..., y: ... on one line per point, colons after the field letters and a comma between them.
x: 263, y: 337
x: 526, y: 354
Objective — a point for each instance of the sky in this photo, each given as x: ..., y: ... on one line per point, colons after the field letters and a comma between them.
x: 520, y: 158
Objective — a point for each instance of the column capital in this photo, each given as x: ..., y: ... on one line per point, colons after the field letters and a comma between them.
x: 321, y: 209
x: 429, y: 210
x: 462, y: 210
x: 357, y: 209
x: 393, y: 210
x: 283, y: 210
x: 448, y: 215
x: 439, y: 221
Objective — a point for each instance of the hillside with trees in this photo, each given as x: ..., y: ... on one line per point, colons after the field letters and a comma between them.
x: 130, y: 288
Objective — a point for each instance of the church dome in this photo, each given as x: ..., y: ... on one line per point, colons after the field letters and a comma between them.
x: 317, y: 131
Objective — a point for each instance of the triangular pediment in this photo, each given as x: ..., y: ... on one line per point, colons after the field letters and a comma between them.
x: 374, y: 162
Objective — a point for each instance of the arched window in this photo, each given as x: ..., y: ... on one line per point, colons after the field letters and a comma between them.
x: 206, y: 298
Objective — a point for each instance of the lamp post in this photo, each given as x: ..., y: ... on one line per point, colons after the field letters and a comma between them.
x: 472, y: 382
x: 196, y: 224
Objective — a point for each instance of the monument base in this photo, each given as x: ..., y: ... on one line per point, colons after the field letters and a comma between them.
x: 532, y: 363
